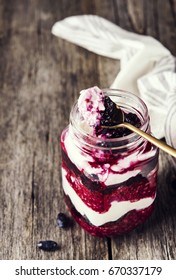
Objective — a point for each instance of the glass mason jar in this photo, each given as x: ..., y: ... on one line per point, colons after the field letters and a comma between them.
x: 109, y: 184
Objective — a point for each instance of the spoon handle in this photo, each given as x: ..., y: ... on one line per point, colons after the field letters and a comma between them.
x: 168, y: 149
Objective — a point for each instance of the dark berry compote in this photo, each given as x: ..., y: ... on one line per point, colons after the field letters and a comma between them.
x: 109, y: 175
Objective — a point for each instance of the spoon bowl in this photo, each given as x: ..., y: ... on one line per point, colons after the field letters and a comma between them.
x: 160, y: 144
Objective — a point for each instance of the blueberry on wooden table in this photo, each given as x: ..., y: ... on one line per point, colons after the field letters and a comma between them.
x: 62, y: 220
x: 48, y: 245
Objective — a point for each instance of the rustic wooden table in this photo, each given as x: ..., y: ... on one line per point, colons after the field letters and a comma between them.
x: 40, y: 78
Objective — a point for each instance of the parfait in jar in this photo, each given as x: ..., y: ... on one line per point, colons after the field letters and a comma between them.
x: 108, y: 174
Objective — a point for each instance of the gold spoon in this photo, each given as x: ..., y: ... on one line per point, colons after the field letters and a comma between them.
x: 120, y: 123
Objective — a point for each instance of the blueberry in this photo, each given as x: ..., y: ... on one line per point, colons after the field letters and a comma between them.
x: 48, y: 245
x: 132, y: 119
x: 94, y: 177
x: 62, y: 220
x: 110, y: 116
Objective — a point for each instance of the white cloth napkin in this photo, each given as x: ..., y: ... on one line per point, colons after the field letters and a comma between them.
x: 147, y: 67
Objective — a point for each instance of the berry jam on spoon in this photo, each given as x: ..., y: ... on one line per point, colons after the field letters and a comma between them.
x: 120, y: 123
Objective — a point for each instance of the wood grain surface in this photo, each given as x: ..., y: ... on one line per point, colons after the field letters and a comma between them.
x: 40, y: 78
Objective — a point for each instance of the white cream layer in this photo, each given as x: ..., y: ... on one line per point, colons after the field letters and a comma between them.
x: 105, y: 172
x: 116, y: 211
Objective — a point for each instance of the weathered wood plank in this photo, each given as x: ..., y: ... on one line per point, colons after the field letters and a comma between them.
x: 167, y: 24
x: 107, y: 68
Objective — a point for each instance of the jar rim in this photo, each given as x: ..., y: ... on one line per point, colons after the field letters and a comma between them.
x: 128, y: 139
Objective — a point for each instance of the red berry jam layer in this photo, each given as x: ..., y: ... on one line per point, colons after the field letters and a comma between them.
x: 123, y: 225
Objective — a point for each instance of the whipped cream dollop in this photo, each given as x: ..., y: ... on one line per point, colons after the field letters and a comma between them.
x: 91, y: 104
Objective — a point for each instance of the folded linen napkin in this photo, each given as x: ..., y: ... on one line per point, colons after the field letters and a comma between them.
x: 147, y: 67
